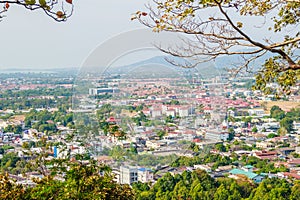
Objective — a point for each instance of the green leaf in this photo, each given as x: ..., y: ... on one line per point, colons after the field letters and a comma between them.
x: 43, y: 3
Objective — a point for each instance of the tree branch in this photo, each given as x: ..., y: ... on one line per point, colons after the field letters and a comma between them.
x: 292, y: 64
x: 48, y: 8
x: 216, y: 36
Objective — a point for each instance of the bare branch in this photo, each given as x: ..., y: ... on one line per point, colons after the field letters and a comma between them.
x: 292, y: 64
x: 280, y: 44
x: 246, y: 64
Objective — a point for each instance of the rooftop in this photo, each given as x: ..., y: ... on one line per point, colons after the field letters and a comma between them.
x: 250, y: 175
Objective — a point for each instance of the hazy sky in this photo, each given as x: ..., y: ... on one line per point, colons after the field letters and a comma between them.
x: 33, y: 40
x: 30, y: 39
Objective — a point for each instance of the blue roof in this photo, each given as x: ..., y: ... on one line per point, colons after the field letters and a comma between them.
x: 250, y: 175
x: 143, y: 169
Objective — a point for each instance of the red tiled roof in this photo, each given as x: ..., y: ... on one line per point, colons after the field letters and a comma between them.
x: 267, y: 157
x: 294, y: 161
x: 292, y: 175
x: 111, y: 119
x: 266, y: 153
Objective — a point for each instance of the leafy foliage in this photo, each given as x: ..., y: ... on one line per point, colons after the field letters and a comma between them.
x: 78, y: 181
x: 195, y: 185
x: 286, y: 119
x: 199, y: 185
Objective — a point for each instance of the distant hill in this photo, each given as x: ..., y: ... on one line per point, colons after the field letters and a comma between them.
x: 159, y: 66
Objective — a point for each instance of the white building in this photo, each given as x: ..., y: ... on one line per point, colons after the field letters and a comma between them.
x: 183, y: 112
x: 128, y: 174
x: 248, y: 93
x: 30, y: 134
x: 297, y: 149
x: 156, y: 113
x: 296, y: 126
x: 256, y: 112
x: 216, y: 135
x: 171, y: 112
x: 155, y: 144
x: 203, y: 167
x: 3, y: 124
x: 97, y: 91
x: 145, y: 175
x: 271, y: 125
x: 265, y: 145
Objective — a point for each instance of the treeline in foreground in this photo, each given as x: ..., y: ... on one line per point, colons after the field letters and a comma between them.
x: 82, y: 181
x: 74, y: 180
x: 199, y: 185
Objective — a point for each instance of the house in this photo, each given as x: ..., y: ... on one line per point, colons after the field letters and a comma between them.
x: 266, y: 155
x: 225, y: 168
x: 250, y: 175
x: 297, y: 150
x: 296, y: 126
x: 3, y: 124
x: 256, y: 112
x: 183, y: 112
x: 155, y: 144
x: 248, y: 168
x: 165, y: 152
x: 265, y: 145
x: 286, y: 150
x: 30, y: 134
x: 203, y: 167
x: 156, y: 113
x: 185, y: 153
x: 125, y: 144
x: 145, y: 175
x: 107, y: 160
x: 139, y: 129
x: 243, y: 152
x: 289, y: 175
x: 271, y: 125
x: 280, y: 163
x: 111, y: 120
x: 279, y: 139
x: 216, y: 135
x: 207, y: 110
x: 294, y: 162
x: 146, y: 111
x: 171, y: 112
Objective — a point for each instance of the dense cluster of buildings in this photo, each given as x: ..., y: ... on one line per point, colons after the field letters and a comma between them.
x: 182, y: 112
